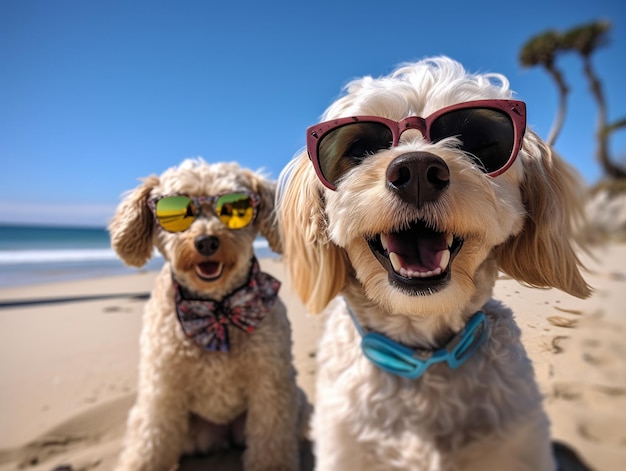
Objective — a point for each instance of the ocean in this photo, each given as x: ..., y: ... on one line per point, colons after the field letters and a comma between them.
x: 39, y: 254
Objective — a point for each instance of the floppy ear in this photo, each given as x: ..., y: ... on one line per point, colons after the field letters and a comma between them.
x: 266, y: 217
x: 543, y: 254
x: 318, y: 267
x: 132, y: 225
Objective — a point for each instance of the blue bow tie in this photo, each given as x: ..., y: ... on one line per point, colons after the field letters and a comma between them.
x: 206, y: 321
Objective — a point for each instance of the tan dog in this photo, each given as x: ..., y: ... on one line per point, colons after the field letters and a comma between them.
x: 216, y: 363
x: 418, y: 187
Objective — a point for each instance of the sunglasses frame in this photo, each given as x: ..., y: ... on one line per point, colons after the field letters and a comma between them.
x: 514, y: 109
x: 199, y: 201
x: 401, y: 360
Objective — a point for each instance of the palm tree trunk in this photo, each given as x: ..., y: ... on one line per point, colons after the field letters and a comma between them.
x: 557, y: 125
x: 602, y: 132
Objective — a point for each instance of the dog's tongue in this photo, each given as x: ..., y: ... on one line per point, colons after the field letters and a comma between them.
x: 417, y: 249
x: 210, y: 269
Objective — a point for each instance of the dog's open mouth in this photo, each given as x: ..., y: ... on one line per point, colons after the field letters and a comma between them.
x: 418, y: 259
x: 209, y: 271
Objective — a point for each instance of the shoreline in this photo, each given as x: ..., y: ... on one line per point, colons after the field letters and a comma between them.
x: 69, y: 367
x: 14, y: 275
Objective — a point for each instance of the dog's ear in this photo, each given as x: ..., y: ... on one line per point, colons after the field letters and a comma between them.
x: 317, y: 267
x: 132, y: 225
x: 266, y: 217
x: 543, y: 255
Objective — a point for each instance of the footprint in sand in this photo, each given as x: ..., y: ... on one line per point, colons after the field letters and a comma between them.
x: 601, y: 429
x: 559, y: 344
x: 570, y: 391
x: 560, y: 321
x: 99, y: 425
x: 47, y: 447
x: 595, y: 420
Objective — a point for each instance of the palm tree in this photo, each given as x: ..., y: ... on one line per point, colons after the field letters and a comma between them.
x: 542, y: 50
x: 585, y: 40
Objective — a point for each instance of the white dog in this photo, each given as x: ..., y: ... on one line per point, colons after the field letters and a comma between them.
x: 417, y: 189
x: 216, y: 365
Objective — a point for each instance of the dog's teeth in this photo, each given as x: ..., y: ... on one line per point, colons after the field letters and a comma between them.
x: 445, y: 259
x: 402, y: 271
x: 449, y: 240
x: 395, y: 263
x: 418, y: 274
x: 383, y: 241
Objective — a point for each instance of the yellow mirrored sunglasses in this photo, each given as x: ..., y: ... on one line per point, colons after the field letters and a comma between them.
x: 176, y: 213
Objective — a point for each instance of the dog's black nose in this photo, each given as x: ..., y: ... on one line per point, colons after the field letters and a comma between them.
x: 207, y: 245
x: 418, y: 177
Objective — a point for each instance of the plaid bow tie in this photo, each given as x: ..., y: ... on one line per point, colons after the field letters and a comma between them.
x: 206, y: 321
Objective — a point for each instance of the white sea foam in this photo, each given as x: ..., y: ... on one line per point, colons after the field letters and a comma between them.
x: 19, y: 257
x: 55, y: 256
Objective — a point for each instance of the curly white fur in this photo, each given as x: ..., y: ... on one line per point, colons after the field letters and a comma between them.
x: 192, y: 400
x: 487, y: 414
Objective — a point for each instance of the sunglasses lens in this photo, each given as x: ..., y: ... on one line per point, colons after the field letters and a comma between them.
x: 175, y: 213
x: 345, y: 147
x: 235, y: 210
x: 486, y: 134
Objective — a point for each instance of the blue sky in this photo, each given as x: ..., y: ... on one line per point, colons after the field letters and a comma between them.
x: 95, y: 94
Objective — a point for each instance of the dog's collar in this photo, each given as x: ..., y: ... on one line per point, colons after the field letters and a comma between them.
x: 206, y: 321
x: 401, y: 360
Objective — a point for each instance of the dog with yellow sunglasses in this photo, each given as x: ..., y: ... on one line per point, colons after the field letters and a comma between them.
x: 216, y: 364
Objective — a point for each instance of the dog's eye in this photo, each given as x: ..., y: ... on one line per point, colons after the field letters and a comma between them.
x: 346, y: 146
x: 365, y: 146
x: 486, y: 135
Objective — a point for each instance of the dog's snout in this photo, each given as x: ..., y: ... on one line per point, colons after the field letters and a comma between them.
x: 418, y: 177
x: 207, y: 245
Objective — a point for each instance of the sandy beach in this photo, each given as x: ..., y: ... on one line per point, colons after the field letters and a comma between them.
x: 69, y: 356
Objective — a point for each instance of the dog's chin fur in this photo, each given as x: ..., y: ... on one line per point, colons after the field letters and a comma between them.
x: 190, y: 399
x: 233, y: 259
x: 521, y: 222
x: 418, y: 319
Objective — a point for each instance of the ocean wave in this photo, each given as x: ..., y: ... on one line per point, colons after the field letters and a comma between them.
x: 14, y: 257
x: 55, y: 256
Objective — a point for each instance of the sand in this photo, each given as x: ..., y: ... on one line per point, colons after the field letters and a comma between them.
x: 68, y: 365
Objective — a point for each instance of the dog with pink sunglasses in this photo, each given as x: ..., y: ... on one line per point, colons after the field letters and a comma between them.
x: 414, y: 192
